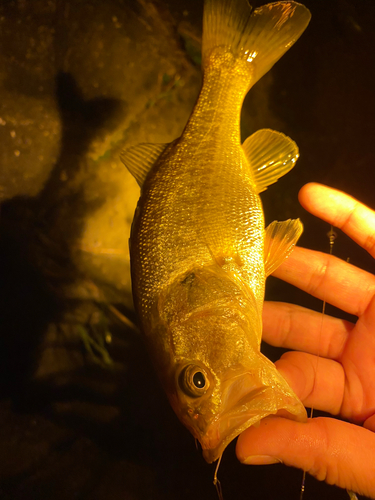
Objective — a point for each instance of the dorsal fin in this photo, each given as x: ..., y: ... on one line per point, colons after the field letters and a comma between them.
x: 140, y: 159
x: 280, y: 238
x: 271, y: 155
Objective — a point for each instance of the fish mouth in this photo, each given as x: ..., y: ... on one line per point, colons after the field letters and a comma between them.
x: 246, y: 404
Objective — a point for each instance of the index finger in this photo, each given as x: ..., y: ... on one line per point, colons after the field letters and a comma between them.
x: 342, y: 211
x: 328, y: 278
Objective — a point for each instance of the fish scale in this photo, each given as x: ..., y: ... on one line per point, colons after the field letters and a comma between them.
x: 199, y: 251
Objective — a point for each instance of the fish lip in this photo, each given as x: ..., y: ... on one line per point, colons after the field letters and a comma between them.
x: 241, y: 409
x: 230, y: 424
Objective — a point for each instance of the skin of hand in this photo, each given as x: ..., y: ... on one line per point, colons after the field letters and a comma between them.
x: 333, y: 365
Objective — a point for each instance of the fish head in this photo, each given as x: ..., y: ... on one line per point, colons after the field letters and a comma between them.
x: 217, y: 405
x: 217, y: 380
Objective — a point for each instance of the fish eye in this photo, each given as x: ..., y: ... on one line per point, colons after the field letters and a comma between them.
x: 194, y: 381
x: 199, y: 380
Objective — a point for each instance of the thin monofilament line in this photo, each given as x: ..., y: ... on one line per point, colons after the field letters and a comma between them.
x: 217, y: 482
x: 332, y: 236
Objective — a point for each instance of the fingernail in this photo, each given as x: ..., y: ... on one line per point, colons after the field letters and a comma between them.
x: 261, y: 460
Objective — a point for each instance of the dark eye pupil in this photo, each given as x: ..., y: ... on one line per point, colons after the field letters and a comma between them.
x: 199, y: 380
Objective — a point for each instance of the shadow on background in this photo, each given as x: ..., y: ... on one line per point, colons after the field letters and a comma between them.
x: 37, y: 236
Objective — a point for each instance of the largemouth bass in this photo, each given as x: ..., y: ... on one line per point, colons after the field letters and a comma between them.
x: 199, y: 251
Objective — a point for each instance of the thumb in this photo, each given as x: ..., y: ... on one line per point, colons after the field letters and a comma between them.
x: 337, y: 452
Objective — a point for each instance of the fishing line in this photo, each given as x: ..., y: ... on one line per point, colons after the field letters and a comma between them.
x: 217, y: 482
x: 331, y: 236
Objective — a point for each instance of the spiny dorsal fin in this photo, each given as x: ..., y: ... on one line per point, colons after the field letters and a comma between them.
x: 140, y: 159
x: 271, y: 155
x: 280, y: 238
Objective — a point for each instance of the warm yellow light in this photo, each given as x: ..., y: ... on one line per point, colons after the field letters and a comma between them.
x: 251, y: 55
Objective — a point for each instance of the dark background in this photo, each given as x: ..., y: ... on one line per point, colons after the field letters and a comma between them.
x: 75, y: 424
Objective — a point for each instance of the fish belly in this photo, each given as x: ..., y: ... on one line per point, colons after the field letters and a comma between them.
x: 193, y: 214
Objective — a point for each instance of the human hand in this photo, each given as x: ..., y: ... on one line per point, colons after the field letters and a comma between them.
x: 342, y: 380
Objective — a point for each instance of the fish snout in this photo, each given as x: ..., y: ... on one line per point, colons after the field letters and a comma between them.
x: 238, y: 410
x: 246, y: 399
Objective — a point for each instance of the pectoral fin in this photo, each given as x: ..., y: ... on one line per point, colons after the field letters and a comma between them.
x: 140, y: 159
x: 270, y: 155
x: 279, y: 241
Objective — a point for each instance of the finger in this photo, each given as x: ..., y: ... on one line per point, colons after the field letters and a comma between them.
x: 329, y: 279
x: 370, y: 423
x: 295, y: 327
x: 331, y: 450
x: 359, y: 364
x: 318, y: 382
x: 342, y: 211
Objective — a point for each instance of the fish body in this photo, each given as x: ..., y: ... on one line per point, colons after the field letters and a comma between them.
x: 199, y: 251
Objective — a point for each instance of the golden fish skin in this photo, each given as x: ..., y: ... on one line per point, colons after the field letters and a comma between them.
x: 199, y: 251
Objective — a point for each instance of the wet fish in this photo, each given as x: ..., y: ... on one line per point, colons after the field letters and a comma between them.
x: 199, y: 251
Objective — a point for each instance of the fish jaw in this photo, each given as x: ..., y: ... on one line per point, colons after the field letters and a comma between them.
x: 246, y: 398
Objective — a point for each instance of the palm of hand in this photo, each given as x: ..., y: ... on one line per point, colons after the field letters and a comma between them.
x: 347, y: 350
x: 333, y: 365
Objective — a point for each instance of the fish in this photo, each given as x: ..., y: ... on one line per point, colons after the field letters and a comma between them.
x: 199, y: 250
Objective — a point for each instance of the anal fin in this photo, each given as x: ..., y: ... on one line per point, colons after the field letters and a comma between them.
x: 280, y: 238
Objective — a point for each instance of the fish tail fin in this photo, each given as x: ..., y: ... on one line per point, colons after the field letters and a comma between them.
x: 259, y: 37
